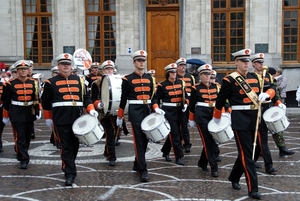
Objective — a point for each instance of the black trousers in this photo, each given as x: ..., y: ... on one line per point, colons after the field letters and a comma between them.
x: 173, y: 140
x: 185, y: 134
x: 1, y: 127
x: 140, y: 146
x: 109, y: 126
x: 22, y: 132
x: 244, y: 163
x: 208, y: 150
x: 262, y: 141
x: 69, y: 145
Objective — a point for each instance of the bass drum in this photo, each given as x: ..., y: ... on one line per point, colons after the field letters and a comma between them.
x: 156, y: 127
x: 111, y: 90
x: 87, y: 129
x: 222, y: 131
x: 275, y: 119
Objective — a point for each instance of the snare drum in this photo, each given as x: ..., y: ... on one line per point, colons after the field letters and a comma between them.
x: 156, y: 127
x: 222, y: 131
x: 87, y: 129
x: 275, y: 119
x: 111, y: 94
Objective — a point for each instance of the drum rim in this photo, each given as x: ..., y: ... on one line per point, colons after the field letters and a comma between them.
x: 153, y: 114
x: 281, y: 111
x: 211, y: 122
x: 109, y: 93
x: 85, y: 115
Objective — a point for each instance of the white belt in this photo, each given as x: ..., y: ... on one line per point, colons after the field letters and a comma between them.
x: 243, y: 107
x: 139, y: 101
x: 73, y: 103
x: 19, y: 103
x: 205, y: 104
x: 171, y: 104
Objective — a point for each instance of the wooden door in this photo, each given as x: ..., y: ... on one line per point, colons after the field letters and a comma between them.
x: 162, y: 40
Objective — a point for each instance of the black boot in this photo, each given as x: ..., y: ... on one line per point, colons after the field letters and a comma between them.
x: 283, y: 151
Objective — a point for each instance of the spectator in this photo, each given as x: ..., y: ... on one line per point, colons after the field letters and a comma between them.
x: 281, y: 83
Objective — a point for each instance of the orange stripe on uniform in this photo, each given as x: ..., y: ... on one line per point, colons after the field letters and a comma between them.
x: 71, y: 97
x: 68, y: 89
x: 47, y: 114
x: 120, y: 112
x: 66, y: 82
x: 22, y: 86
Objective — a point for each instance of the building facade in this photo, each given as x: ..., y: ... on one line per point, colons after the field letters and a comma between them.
x: 209, y: 30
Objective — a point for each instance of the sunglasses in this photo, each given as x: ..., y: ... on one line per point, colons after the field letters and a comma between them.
x: 65, y: 63
x: 22, y: 68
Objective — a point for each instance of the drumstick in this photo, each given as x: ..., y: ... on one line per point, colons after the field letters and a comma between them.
x: 264, y: 70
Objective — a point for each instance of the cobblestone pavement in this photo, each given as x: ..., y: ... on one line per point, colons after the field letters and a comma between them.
x: 44, y: 180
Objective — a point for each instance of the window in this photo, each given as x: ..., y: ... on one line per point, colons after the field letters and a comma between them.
x: 38, y: 45
x: 290, y: 39
x: 228, y: 23
x: 101, y: 29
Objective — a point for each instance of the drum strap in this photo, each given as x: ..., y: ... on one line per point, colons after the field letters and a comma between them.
x: 246, y: 87
x: 183, y: 92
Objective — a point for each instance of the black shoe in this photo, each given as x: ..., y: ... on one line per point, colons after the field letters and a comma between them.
x: 167, y: 157
x: 257, y: 165
x: 283, y: 151
x: 218, y: 159
x: 112, y: 163
x: 135, y: 168
x: 271, y: 170
x: 254, y: 195
x: 235, y: 185
x: 187, y: 150
x: 214, y: 174
x: 144, y: 177
x: 32, y: 135
x: 69, y: 181
x: 179, y: 161
x: 205, y: 169
x: 23, y: 166
x: 117, y: 143
x: 1, y: 150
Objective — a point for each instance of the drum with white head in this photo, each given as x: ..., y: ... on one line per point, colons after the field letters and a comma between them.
x: 111, y: 94
x: 222, y: 131
x: 87, y: 129
x: 156, y: 127
x: 275, y: 119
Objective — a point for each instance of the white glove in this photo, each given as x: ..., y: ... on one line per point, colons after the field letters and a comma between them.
x: 100, y: 106
x: 192, y: 123
x: 217, y: 121
x: 1, y: 105
x: 49, y: 123
x: 184, y: 107
x: 5, y: 120
x: 159, y: 111
x: 263, y: 96
x: 119, y: 122
x: 227, y: 114
x: 39, y: 115
x: 94, y: 113
x: 282, y: 106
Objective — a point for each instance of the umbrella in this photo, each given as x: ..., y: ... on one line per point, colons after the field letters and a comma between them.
x: 195, y: 62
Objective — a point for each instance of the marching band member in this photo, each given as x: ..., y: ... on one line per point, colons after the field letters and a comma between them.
x: 189, y: 82
x: 171, y: 92
x: 138, y: 88
x: 19, y: 107
x: 202, y: 101
x: 262, y: 134
x: 94, y: 74
x: 108, y: 122
x: 242, y: 89
x: 62, y: 100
